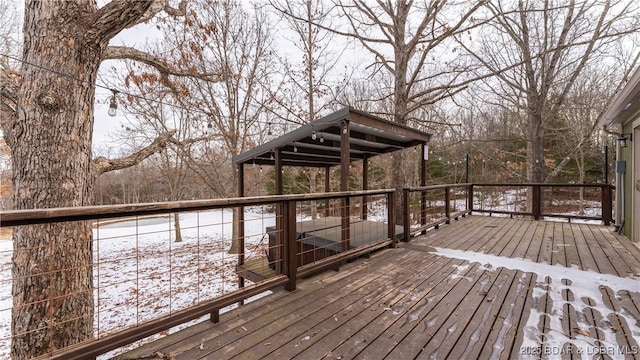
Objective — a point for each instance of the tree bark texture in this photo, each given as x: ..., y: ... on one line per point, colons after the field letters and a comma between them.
x: 52, y: 290
x: 401, y: 103
x: 535, y: 150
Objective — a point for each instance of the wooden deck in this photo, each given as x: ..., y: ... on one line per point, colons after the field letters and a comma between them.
x: 482, y: 287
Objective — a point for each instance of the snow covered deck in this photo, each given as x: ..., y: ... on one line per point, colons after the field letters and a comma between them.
x: 482, y: 287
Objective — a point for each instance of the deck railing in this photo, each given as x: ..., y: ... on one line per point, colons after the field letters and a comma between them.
x: 144, y: 282
x: 428, y: 207
x: 431, y: 206
x: 568, y: 201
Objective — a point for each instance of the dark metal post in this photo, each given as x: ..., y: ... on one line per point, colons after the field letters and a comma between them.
x: 391, y: 206
x: 345, y: 160
x: 606, y: 164
x: 290, y: 246
x: 407, y: 210
x: 470, y: 198
x: 278, y: 169
x: 240, y: 224
x: 447, y: 204
x: 423, y: 182
x: 214, y: 315
x: 280, y: 251
x: 466, y: 171
x: 365, y: 185
x: 607, y: 204
x: 327, y: 188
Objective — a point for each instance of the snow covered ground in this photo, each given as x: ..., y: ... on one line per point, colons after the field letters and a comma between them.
x: 141, y: 273
x: 554, y: 281
x: 515, y: 200
x: 512, y: 200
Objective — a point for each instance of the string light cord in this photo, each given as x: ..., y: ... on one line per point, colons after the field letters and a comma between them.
x: 117, y: 91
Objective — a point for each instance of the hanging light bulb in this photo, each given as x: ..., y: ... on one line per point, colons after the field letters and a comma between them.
x: 269, y: 132
x: 295, y: 149
x: 321, y: 138
x: 113, y: 105
x: 314, y: 135
x: 271, y: 157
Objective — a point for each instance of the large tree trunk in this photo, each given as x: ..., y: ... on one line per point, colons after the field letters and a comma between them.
x: 535, y: 150
x: 399, y: 171
x: 52, y: 264
x: 401, y: 99
x: 535, y: 155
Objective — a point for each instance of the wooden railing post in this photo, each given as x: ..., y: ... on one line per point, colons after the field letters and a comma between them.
x: 290, y: 248
x: 423, y: 209
x: 607, y: 206
x: 345, y: 214
x: 391, y: 218
x: 279, y: 251
x: 407, y: 210
x: 240, y: 234
x: 327, y: 188
x: 447, y: 204
x: 536, y: 194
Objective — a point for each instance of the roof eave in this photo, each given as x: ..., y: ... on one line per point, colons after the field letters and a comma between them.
x: 624, y: 105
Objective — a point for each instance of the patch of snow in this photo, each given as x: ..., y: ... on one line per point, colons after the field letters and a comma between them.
x: 586, y: 287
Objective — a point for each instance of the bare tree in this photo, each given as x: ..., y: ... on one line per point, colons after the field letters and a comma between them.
x: 152, y: 116
x: 404, y: 38
x: 225, y: 115
x: 307, y: 82
x: 47, y: 119
x: 539, y: 49
x: 10, y: 33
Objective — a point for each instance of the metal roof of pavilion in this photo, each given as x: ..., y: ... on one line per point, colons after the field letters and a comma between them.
x: 368, y: 136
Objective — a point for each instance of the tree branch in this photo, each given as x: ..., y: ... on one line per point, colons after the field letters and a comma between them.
x: 125, y: 52
x: 102, y: 165
x: 118, y: 15
x: 159, y: 5
x: 108, y: 21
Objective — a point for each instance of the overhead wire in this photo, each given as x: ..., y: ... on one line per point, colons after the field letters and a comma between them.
x: 126, y: 93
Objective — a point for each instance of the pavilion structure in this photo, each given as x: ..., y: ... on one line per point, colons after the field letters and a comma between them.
x: 337, y: 139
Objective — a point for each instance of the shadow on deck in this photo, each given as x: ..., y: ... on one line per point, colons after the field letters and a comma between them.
x: 482, y: 287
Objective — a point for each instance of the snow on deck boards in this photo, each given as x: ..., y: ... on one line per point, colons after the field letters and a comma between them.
x: 482, y: 287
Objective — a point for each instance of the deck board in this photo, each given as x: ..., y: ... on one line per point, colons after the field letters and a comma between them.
x: 413, y: 302
x: 329, y: 318
x: 265, y: 325
x: 366, y: 320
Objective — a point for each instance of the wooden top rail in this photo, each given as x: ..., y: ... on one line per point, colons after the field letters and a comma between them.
x: 51, y: 215
x: 437, y: 187
x: 542, y: 185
